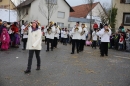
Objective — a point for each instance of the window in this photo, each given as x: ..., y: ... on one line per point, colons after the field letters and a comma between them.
x: 126, y: 19
x: 61, y: 25
x: 51, y: 1
x: 61, y: 14
x: 68, y: 25
x: 0, y: 0
x: 125, y: 1
x: 26, y: 11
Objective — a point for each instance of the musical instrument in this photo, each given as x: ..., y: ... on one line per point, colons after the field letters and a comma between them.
x: 49, y: 30
x: 28, y: 25
x: 106, y: 30
x: 76, y: 28
x: 83, y: 31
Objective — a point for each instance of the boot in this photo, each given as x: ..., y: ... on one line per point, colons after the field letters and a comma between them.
x: 38, y: 68
x: 27, y: 71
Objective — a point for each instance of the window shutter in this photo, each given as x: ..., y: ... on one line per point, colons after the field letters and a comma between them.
x: 122, y: 1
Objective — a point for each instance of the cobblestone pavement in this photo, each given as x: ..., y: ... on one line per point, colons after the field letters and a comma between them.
x: 60, y: 68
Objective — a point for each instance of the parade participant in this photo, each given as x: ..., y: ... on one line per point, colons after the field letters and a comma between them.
x: 22, y: 30
x: 45, y: 33
x: 95, y: 26
x: 76, y: 31
x: 70, y: 35
x: 62, y: 35
x: 65, y: 36
x: 94, y: 38
x: 25, y: 37
x: 127, y: 39
x: 5, y: 39
x: 83, y: 34
x: 105, y: 34
x: 50, y: 35
x: 34, y: 44
x: 56, y: 36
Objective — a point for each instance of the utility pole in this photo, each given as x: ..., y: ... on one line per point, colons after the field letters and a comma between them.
x: 91, y: 3
x: 48, y: 11
x: 9, y: 10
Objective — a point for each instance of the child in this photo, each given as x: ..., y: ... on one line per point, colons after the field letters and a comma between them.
x: 5, y: 40
x: 121, y: 40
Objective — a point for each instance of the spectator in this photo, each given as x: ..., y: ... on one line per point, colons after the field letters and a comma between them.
x: 5, y: 39
x: 121, y: 41
x: 95, y: 26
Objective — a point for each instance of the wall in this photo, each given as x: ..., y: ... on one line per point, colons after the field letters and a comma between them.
x: 6, y: 4
x: 36, y: 14
x: 121, y: 8
x: 97, y: 12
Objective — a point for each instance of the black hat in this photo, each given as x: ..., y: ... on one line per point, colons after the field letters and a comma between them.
x: 106, y: 25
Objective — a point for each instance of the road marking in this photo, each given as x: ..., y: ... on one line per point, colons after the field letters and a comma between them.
x: 123, y: 57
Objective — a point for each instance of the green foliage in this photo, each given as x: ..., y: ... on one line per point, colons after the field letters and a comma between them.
x: 112, y: 19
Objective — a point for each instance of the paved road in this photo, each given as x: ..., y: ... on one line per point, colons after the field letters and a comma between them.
x: 60, y: 68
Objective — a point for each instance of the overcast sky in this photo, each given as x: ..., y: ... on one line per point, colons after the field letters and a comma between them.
x: 78, y: 2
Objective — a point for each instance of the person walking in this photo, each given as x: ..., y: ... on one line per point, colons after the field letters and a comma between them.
x: 34, y: 45
x: 50, y: 35
x: 105, y: 34
x: 94, y: 37
x: 57, y: 32
x: 83, y: 34
x: 76, y: 37
x: 25, y: 37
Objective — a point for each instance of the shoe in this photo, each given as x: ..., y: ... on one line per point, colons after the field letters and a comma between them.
x: 77, y: 51
x: 38, y: 68
x: 51, y: 49
x: 27, y: 71
x: 106, y: 55
x: 47, y: 50
x: 72, y: 53
x: 101, y: 56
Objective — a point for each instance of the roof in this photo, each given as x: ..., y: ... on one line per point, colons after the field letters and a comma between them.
x: 71, y: 9
x: 28, y: 2
x: 25, y: 3
x: 81, y: 11
x: 13, y: 3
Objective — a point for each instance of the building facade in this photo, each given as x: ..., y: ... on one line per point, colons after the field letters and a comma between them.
x: 4, y: 4
x: 59, y: 16
x: 123, y: 13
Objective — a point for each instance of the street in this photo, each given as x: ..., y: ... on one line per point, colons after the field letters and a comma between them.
x: 60, y: 68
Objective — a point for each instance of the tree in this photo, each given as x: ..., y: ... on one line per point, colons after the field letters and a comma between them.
x: 90, y: 13
x: 112, y: 19
x: 21, y: 11
x: 104, y: 14
x: 51, y: 6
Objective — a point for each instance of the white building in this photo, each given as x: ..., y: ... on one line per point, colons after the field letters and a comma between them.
x: 30, y: 10
x: 8, y: 15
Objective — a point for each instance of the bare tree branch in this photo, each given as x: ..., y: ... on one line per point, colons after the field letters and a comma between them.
x: 51, y: 6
